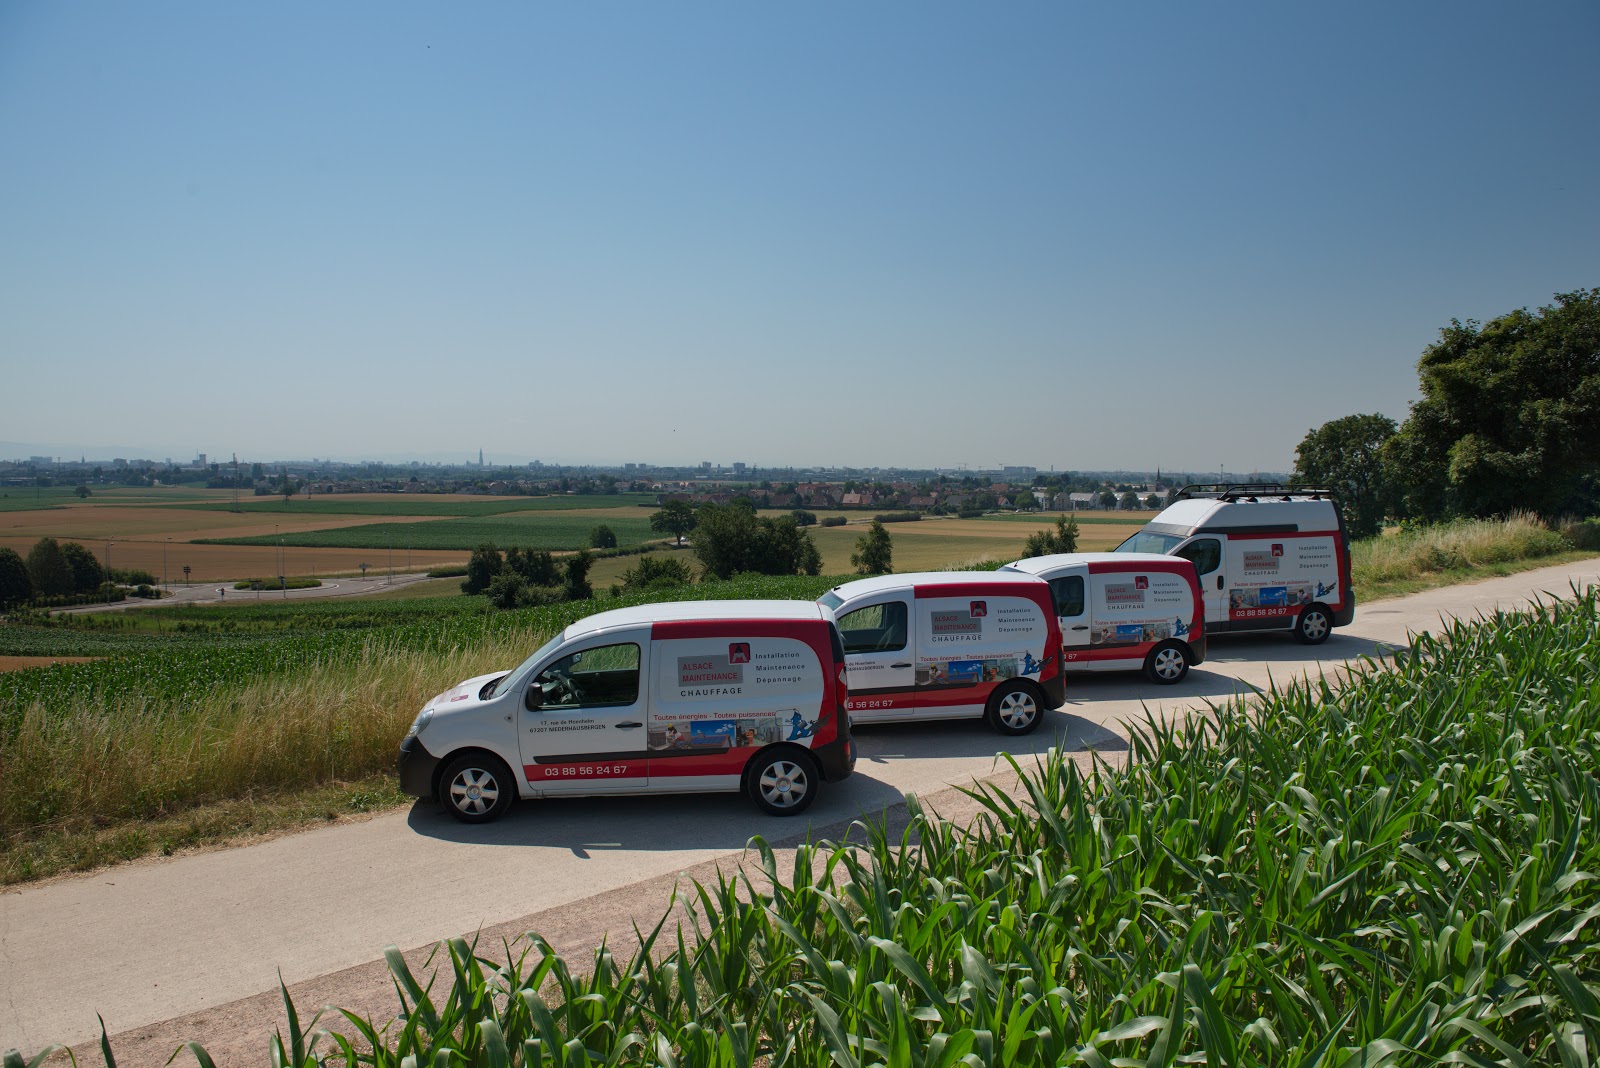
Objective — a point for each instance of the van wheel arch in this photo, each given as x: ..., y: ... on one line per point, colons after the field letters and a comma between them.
x: 469, y: 751
x: 994, y: 715
x: 1161, y: 666
x: 1314, y: 624
x: 796, y: 754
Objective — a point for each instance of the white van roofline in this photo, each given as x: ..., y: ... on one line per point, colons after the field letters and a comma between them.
x: 1036, y: 565
x: 1211, y: 515
x: 884, y: 583
x: 697, y: 611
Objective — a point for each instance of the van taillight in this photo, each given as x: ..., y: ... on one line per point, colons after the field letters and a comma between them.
x: 841, y: 689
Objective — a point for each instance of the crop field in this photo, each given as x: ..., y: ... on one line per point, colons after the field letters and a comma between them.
x: 542, y: 530
x: 1398, y: 869
x: 1138, y: 519
x: 426, y: 504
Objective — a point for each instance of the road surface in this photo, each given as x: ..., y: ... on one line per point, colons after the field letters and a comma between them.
x: 150, y: 941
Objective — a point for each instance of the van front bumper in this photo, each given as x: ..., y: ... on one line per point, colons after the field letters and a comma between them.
x: 417, y: 767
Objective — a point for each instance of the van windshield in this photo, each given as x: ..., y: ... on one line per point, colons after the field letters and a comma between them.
x: 830, y: 600
x: 511, y: 681
x: 1150, y: 541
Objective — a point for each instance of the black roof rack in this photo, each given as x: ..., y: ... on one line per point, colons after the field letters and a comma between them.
x: 1236, y: 491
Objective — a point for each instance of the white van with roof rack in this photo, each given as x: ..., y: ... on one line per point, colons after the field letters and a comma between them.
x: 1269, y: 557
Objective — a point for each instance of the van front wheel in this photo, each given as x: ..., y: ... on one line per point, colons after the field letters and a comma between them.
x: 1014, y: 708
x: 783, y: 783
x: 477, y: 788
x: 1166, y: 663
x: 1313, y: 626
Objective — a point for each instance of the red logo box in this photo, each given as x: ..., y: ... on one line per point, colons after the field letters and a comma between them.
x: 1277, y: 550
x: 739, y: 653
x: 1141, y: 582
x: 979, y: 609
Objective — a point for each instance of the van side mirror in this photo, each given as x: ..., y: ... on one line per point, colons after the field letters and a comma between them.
x: 533, y: 700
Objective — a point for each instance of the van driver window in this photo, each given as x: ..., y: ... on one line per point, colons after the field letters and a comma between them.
x: 592, y: 678
x: 1068, y: 593
x: 877, y: 628
x: 1206, y: 554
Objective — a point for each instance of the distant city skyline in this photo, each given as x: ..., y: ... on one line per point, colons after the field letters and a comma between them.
x: 899, y: 233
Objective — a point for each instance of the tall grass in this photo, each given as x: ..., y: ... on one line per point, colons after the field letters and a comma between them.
x: 1465, y: 543
x: 1398, y: 869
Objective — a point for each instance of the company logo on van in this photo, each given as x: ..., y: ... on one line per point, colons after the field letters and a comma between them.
x: 1258, y: 561
x: 1141, y: 582
x: 1126, y: 594
x: 739, y: 653
x: 1277, y: 550
x: 979, y: 609
x: 956, y: 623
x: 711, y: 673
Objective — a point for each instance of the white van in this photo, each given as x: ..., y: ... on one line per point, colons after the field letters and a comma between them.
x: 663, y: 698
x: 1125, y: 611
x: 950, y: 645
x: 1269, y: 557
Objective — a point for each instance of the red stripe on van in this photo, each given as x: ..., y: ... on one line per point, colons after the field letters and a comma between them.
x: 926, y: 697
x: 813, y: 632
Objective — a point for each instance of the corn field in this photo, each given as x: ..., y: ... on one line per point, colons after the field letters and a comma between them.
x: 1397, y: 869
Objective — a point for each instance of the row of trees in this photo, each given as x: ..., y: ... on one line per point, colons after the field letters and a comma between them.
x: 522, y: 577
x: 1509, y: 420
x: 55, y: 569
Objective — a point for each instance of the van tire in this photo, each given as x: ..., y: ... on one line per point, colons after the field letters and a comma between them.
x: 783, y: 781
x: 476, y: 787
x: 1314, y: 625
x: 1167, y: 663
x: 1015, y: 708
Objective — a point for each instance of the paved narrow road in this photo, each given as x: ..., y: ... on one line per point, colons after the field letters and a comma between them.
x: 150, y: 941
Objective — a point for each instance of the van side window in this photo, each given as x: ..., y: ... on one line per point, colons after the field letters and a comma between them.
x: 1068, y: 593
x: 1206, y: 553
x: 593, y: 678
x: 877, y: 628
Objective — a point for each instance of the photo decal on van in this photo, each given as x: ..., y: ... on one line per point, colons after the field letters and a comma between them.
x: 940, y: 674
x: 682, y: 735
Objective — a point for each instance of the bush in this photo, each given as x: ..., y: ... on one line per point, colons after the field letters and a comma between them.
x: 577, y: 574
x: 1451, y: 546
x: 833, y: 521
x: 656, y: 573
x: 485, y: 564
x: 602, y: 537
x: 448, y: 572
x: 969, y: 513
x: 1064, y: 539
x: 897, y: 517
x: 296, y: 583
x: 804, y: 518
x: 1582, y: 534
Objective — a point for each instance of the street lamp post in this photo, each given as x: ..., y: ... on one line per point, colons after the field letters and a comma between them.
x: 164, y: 545
x: 108, y: 571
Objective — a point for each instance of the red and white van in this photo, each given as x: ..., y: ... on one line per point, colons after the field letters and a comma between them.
x: 1125, y: 611
x: 950, y: 645
x: 1269, y: 557
x: 681, y: 697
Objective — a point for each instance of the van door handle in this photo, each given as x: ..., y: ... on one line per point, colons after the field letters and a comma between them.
x: 1081, y: 626
x: 899, y: 665
x: 626, y: 726
x: 1219, y: 582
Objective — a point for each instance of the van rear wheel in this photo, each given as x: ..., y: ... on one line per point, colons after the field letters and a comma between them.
x: 1166, y: 663
x: 1313, y: 626
x: 783, y: 783
x: 1014, y: 708
x: 477, y: 788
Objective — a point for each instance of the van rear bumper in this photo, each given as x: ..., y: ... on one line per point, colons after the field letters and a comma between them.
x: 1055, y: 691
x: 836, y: 759
x: 417, y: 767
x: 1346, y: 612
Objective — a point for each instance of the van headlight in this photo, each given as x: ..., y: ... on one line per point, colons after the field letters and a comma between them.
x: 420, y: 724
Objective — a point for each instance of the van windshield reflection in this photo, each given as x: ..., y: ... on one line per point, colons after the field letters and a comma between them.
x: 1149, y: 541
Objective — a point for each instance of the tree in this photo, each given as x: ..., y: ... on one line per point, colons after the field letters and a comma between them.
x: 1128, y: 501
x: 506, y: 589
x: 1026, y: 501
x: 485, y: 564
x: 1509, y: 416
x: 15, y: 585
x: 578, y: 565
x: 1108, y: 499
x: 874, y: 552
x: 537, y: 567
x: 87, y: 574
x: 288, y: 487
x: 82, y: 491
x: 1152, y: 502
x: 1064, y: 539
x: 803, y: 517
x: 602, y: 537
x: 1347, y: 456
x: 48, y: 569
x: 729, y: 540
x: 676, y: 518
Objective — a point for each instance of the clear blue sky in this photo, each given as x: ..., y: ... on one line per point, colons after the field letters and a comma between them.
x: 1081, y: 235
